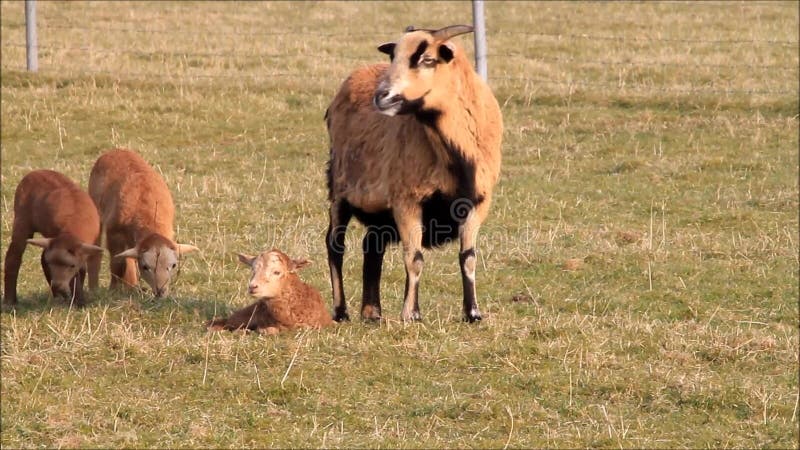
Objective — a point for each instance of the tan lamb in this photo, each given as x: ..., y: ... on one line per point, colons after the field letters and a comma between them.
x: 51, y: 204
x: 284, y: 300
x: 137, y: 215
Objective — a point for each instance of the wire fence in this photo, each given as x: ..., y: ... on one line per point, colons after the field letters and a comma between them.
x: 233, y: 53
x: 497, y: 58
x: 380, y: 32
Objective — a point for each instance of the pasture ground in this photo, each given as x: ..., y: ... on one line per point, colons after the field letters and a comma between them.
x: 638, y: 272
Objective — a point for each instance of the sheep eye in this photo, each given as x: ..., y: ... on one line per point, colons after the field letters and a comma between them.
x: 144, y: 267
x: 173, y: 266
x: 276, y: 272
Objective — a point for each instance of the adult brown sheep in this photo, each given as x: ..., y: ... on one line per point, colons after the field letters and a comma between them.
x: 415, y: 154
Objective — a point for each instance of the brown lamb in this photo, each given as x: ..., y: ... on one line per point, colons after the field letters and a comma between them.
x: 137, y: 214
x: 284, y: 300
x: 415, y: 155
x: 49, y: 203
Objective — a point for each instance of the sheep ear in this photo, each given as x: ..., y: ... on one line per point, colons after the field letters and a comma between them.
x: 387, y: 48
x: 245, y: 259
x: 40, y: 242
x: 186, y: 248
x: 446, y: 51
x: 129, y: 253
x: 88, y: 248
x: 299, y: 264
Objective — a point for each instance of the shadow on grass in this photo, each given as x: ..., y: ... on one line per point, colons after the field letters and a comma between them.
x: 184, y: 310
x: 35, y: 303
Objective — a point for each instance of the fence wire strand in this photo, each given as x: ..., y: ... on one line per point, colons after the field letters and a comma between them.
x: 384, y: 32
x: 652, y: 39
x: 232, y: 53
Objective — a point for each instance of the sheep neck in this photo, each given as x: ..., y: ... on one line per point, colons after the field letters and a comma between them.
x: 452, y: 130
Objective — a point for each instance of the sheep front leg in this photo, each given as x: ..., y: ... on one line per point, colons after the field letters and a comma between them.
x: 93, y: 263
x: 77, y: 288
x: 468, y: 234
x: 340, y: 215
x: 409, y: 227
x: 19, y: 234
x: 123, y: 270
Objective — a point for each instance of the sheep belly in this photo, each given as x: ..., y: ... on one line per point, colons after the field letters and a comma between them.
x: 442, y: 216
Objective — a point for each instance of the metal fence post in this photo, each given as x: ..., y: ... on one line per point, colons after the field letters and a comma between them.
x: 479, y: 23
x: 30, y: 36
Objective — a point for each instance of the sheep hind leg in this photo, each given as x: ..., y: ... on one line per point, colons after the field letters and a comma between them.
x: 374, y: 247
x: 467, y: 260
x: 340, y: 215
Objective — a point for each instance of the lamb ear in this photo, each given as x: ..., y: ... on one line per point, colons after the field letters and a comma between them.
x: 186, y: 248
x: 246, y: 259
x: 89, y: 248
x: 299, y: 264
x: 40, y: 242
x: 129, y: 253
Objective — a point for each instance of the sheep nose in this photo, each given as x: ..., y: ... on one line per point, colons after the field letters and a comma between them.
x: 60, y: 291
x: 160, y: 292
x: 380, y: 95
x: 251, y: 289
x: 381, y: 92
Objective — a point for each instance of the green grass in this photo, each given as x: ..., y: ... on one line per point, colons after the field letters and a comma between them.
x: 664, y: 163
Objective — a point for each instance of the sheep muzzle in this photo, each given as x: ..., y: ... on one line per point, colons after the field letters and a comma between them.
x: 386, y: 103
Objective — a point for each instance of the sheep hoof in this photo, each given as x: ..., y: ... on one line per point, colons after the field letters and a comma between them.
x: 371, y: 313
x: 473, y: 316
x: 413, y: 317
x: 341, y: 316
x: 270, y: 331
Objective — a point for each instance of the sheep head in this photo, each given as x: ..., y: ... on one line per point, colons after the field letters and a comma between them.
x: 157, y: 258
x: 420, y: 75
x: 63, y: 257
x: 270, y: 272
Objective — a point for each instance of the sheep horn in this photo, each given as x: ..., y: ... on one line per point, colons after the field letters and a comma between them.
x: 451, y: 31
x: 411, y: 28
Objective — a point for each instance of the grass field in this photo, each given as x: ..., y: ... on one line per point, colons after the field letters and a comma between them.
x: 638, y: 272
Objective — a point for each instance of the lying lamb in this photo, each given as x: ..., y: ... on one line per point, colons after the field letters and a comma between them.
x: 284, y: 301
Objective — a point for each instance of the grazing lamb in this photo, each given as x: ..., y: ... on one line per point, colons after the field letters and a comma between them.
x: 284, y: 301
x: 49, y: 203
x: 137, y: 214
x: 415, y: 155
